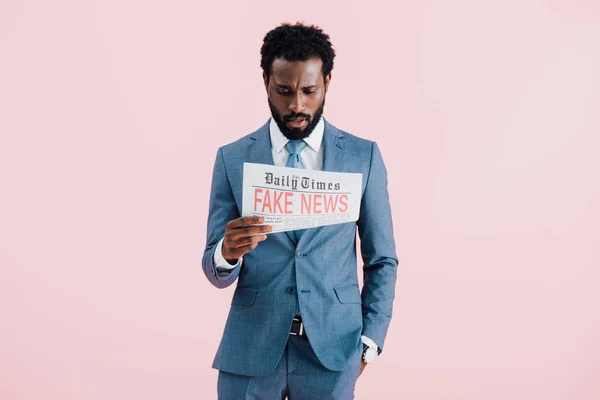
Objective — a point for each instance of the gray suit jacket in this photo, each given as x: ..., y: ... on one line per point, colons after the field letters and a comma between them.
x: 320, y: 269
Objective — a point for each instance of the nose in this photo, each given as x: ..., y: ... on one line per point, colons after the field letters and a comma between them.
x: 297, y: 104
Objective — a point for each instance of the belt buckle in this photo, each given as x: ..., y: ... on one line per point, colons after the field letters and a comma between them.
x: 301, y: 327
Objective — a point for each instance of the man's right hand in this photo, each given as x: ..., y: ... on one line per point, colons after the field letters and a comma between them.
x: 241, y: 237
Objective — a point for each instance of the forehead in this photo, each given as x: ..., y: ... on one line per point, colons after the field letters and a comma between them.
x: 293, y: 72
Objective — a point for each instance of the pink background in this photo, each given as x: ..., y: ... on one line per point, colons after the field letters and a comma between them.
x: 487, y: 114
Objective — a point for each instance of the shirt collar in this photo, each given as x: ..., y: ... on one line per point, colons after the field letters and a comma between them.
x: 314, y: 140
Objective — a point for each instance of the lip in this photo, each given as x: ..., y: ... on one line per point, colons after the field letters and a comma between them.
x: 296, y: 123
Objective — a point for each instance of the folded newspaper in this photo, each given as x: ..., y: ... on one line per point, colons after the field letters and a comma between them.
x: 293, y: 198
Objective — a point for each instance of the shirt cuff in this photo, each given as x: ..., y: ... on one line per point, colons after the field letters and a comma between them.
x: 220, y: 261
x: 369, y: 342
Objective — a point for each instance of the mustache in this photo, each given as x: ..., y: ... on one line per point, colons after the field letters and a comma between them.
x: 288, y: 117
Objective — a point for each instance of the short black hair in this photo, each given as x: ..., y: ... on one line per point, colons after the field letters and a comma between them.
x: 296, y: 42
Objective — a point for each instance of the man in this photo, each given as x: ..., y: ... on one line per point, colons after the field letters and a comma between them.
x: 298, y: 325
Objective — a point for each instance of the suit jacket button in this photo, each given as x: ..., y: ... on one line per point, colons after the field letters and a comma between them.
x: 299, y: 254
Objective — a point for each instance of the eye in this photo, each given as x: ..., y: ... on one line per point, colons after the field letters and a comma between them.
x: 310, y: 91
x: 283, y: 91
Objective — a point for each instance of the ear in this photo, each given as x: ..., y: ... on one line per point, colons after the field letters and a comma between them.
x: 327, y: 80
x: 266, y: 82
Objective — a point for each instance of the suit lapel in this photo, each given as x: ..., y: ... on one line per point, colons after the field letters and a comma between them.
x: 259, y: 146
x: 333, y: 150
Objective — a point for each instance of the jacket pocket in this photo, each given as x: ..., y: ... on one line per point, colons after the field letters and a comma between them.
x: 244, y: 296
x: 348, y: 294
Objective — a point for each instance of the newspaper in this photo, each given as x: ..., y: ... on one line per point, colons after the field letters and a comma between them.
x: 294, y: 198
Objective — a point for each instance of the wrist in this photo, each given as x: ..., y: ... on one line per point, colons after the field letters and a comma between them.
x: 369, y: 354
x: 370, y: 350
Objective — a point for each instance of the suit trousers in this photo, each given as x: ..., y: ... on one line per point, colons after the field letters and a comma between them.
x: 299, y: 375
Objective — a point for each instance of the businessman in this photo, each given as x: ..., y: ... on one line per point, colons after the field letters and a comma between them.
x: 298, y: 326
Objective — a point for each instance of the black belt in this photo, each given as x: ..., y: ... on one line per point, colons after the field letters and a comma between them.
x: 297, y: 327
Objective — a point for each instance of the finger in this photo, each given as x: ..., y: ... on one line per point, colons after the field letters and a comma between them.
x: 246, y: 245
x: 246, y: 240
x: 235, y: 234
x: 243, y: 221
x: 241, y: 251
x: 256, y: 229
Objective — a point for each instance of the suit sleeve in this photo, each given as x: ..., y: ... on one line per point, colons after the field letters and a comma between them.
x: 378, y: 252
x: 222, y: 209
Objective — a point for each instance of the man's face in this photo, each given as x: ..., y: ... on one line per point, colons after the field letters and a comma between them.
x: 296, y: 93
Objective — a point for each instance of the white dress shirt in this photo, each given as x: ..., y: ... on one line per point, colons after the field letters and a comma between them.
x: 311, y: 157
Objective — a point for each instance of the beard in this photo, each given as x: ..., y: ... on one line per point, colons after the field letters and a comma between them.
x: 296, y: 133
